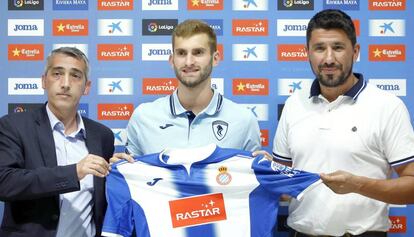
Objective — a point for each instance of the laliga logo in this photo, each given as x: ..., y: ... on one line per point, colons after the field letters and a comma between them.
x: 18, y: 3
x: 19, y: 109
x: 152, y: 27
x: 288, y: 3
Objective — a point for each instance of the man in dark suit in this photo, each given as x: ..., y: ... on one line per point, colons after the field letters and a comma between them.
x: 53, y: 161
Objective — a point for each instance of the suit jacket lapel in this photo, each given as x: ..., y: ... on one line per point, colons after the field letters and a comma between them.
x: 45, y: 137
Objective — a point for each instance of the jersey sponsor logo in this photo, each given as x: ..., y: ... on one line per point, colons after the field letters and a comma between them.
x: 398, y: 224
x: 167, y: 125
x: 197, y: 210
x: 292, y: 27
x: 115, y: 51
x: 345, y: 5
x: 264, y: 137
x: 25, y: 27
x: 159, y: 86
x: 387, y: 27
x: 115, y: 111
x: 382, y: 5
x: 115, y: 4
x: 386, y: 52
x: 291, y: 52
x: 160, y: 5
x: 283, y: 169
x: 250, y: 5
x: 397, y: 87
x: 288, y: 86
x: 81, y: 47
x: 70, y: 27
x: 115, y: 27
x: 205, y: 4
x: 250, y: 52
x: 260, y: 111
x: 220, y: 129
x: 24, y: 5
x: 154, y: 181
x: 31, y: 52
x: 216, y: 25
x: 250, y: 86
x: 218, y: 85
x: 223, y: 177
x: 156, y: 52
x: 120, y: 136
x: 23, y: 107
x: 158, y: 26
x: 250, y: 27
x: 70, y: 5
x: 115, y: 86
x: 295, y: 5
x: 25, y: 86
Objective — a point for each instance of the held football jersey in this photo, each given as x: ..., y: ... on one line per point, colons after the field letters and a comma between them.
x: 202, y: 192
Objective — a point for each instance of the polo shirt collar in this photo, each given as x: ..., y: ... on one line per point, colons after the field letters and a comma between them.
x: 354, y: 92
x: 213, y: 107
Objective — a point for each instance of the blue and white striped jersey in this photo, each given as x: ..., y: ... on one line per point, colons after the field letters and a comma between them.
x: 208, y: 191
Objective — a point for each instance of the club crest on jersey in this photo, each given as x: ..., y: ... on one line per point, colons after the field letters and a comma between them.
x: 220, y: 129
x: 224, y: 177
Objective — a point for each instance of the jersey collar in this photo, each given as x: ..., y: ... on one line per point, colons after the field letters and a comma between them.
x: 354, y: 92
x: 213, y: 107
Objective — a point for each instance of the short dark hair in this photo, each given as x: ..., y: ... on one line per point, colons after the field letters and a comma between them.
x: 71, y: 52
x: 332, y: 19
x: 190, y: 28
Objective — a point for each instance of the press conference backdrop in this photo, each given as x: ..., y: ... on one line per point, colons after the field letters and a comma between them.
x: 261, y: 41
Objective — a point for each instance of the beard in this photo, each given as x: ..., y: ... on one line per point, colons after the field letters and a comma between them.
x: 192, y: 82
x: 330, y: 80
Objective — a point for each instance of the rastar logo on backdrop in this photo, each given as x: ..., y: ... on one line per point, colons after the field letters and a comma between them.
x: 115, y: 52
x: 70, y: 27
x: 115, y: 27
x: 382, y: 5
x: 397, y: 87
x: 197, y: 210
x: 115, y: 5
x: 25, y: 27
x: 264, y: 137
x: 398, y: 224
x: 250, y: 5
x: 387, y: 27
x: 250, y: 52
x: 31, y: 52
x: 159, y: 5
x: 159, y: 86
x: 250, y: 86
x: 291, y: 52
x: 205, y: 4
x: 250, y: 27
x: 115, y: 86
x: 386, y: 52
x: 25, y: 86
x: 115, y: 111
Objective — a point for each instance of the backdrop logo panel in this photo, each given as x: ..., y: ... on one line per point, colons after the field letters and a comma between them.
x: 250, y: 86
x: 396, y: 86
x: 250, y: 52
x: 111, y: 52
x: 23, y: 5
x: 159, y: 86
x: 25, y: 27
x: 115, y: 27
x: 346, y: 5
x: 70, y: 27
x: 159, y: 5
x: 70, y: 5
x: 250, y: 27
x: 250, y: 5
x: 29, y: 52
x: 295, y: 4
x: 158, y: 26
x: 115, y: 5
x: 25, y: 86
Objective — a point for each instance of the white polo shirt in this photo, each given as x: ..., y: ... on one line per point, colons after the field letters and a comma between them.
x: 365, y: 132
x: 165, y: 123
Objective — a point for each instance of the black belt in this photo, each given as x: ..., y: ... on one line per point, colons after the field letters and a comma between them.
x: 365, y: 234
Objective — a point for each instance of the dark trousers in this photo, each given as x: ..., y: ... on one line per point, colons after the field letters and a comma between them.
x: 294, y: 233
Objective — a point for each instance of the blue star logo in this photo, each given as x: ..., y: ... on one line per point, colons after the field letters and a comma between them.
x: 253, y: 109
x: 115, y: 85
x: 117, y: 136
x: 249, y: 51
x: 248, y: 2
x: 387, y: 27
x: 114, y: 27
x: 295, y: 86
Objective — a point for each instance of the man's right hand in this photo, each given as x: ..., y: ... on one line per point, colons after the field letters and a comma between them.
x: 92, y: 164
x: 121, y: 156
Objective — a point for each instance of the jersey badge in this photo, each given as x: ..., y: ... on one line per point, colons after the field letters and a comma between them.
x: 220, y: 129
x: 224, y: 177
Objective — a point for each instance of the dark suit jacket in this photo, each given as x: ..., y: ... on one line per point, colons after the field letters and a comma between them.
x: 31, y: 181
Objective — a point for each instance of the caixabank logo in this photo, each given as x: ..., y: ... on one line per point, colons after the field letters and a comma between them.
x: 115, y: 52
x: 387, y: 27
x: 291, y: 52
x: 345, y: 5
x: 289, y: 5
x: 288, y: 86
x: 384, y: 5
x: 158, y: 26
x: 110, y: 5
x: 29, y: 52
x: 159, y: 86
x: 250, y: 5
x: 70, y: 27
x: 24, y: 5
x: 115, y: 86
x: 386, y: 52
x: 250, y: 27
x: 205, y: 4
x: 120, y: 136
x: 115, y: 27
x: 115, y: 111
x: 68, y: 5
x: 250, y: 86
x: 250, y: 52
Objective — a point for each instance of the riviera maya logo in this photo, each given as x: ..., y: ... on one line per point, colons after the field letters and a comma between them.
x: 152, y: 27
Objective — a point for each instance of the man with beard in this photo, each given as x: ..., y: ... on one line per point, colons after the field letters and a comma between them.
x: 350, y: 129
x: 195, y: 114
